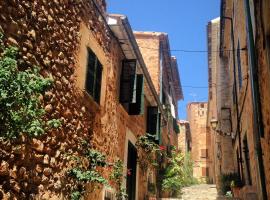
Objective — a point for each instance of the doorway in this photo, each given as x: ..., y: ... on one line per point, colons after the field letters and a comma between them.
x: 131, y: 171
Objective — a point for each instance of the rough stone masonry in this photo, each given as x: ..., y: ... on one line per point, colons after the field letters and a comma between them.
x: 47, y: 34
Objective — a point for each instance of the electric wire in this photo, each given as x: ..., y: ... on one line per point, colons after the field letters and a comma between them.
x: 183, y: 50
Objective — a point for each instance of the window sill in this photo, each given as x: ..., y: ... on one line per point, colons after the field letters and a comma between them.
x: 93, y: 105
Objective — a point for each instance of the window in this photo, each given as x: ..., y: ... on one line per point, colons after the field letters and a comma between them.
x: 205, y: 171
x: 176, y: 126
x: 239, y: 65
x: 137, y: 107
x: 131, y: 88
x: 127, y: 86
x: 204, y: 153
x: 93, y: 76
x: 153, y: 122
x: 247, y: 161
x: 234, y: 94
x: 210, y: 94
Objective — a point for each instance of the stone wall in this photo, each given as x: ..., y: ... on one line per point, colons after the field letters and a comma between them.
x: 201, y: 140
x: 263, y: 53
x: 54, y: 36
x: 183, y: 136
x: 149, y: 45
x: 245, y: 107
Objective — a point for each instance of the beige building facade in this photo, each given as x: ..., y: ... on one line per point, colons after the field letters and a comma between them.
x: 218, y: 106
x: 184, y: 138
x: 200, y: 141
x: 242, y: 74
x: 163, y: 70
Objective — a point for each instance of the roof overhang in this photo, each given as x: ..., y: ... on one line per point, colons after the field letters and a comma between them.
x: 116, y: 22
x: 176, y: 79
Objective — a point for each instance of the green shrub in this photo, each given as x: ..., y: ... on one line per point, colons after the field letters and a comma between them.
x: 20, y: 107
x: 178, y: 174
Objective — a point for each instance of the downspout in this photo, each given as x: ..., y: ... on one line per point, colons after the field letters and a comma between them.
x: 258, y: 124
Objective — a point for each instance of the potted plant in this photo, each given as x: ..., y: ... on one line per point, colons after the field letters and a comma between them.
x: 230, y: 182
x: 236, y: 185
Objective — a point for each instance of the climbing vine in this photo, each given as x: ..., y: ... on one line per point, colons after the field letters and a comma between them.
x: 117, y: 176
x: 86, y: 171
x: 148, y: 152
x: 21, y: 111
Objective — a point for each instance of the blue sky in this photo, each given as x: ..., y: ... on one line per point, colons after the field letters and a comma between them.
x: 185, y: 21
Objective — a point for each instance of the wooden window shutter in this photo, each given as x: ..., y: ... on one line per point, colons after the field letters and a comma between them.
x: 93, y: 76
x: 205, y: 171
x: 204, y: 153
x: 176, y: 126
x: 137, y: 108
x: 90, y: 75
x: 158, y: 134
x: 127, y: 84
x: 98, y: 81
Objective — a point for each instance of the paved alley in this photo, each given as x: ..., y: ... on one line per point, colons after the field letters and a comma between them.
x: 200, y: 192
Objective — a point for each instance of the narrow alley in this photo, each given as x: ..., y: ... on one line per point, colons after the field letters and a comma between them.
x: 200, y: 192
x: 134, y: 100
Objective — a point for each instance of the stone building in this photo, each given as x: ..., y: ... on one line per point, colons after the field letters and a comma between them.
x: 218, y: 106
x: 259, y: 49
x: 163, y: 70
x: 201, y: 141
x: 184, y: 138
x: 103, y: 93
x: 244, y: 60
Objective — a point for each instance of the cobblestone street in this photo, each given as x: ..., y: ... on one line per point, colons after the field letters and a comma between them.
x: 200, y: 192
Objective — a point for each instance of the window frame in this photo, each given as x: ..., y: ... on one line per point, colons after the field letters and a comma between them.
x: 96, y: 71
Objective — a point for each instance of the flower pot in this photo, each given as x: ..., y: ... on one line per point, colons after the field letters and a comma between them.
x: 236, y: 191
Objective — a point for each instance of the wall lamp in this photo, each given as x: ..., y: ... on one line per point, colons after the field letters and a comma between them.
x: 214, y: 123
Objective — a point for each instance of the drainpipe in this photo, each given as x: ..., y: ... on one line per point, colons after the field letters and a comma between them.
x: 258, y: 124
x: 235, y: 90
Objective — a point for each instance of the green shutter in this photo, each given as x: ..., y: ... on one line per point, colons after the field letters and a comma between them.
x: 137, y: 108
x: 127, y: 84
x: 176, y: 126
x: 158, y: 135
x: 93, y: 76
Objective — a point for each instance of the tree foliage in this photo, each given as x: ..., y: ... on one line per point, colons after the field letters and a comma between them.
x: 178, y: 173
x: 20, y: 106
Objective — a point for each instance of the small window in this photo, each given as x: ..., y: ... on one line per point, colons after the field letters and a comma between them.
x: 205, y: 171
x: 234, y: 94
x: 239, y: 65
x: 93, y: 76
x: 204, y: 153
x: 131, y: 88
x: 153, y: 122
